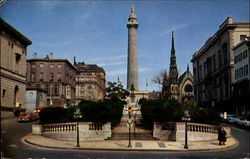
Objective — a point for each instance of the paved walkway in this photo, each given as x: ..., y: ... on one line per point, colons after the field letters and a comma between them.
x: 137, y: 145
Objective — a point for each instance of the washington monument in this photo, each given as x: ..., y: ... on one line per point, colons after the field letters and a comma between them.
x: 132, y: 67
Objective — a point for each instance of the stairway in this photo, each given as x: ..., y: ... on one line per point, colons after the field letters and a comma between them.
x: 121, y: 131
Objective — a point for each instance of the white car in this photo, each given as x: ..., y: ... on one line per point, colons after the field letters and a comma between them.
x: 242, y: 121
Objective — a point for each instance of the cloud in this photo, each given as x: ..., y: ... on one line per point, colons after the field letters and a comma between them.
x: 83, y: 16
x: 173, y: 28
x: 144, y: 69
x: 52, y: 44
x: 100, y: 59
x: 49, y: 4
x: 117, y: 72
x: 113, y: 63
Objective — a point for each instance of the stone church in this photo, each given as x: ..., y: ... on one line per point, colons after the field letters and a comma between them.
x: 174, y: 86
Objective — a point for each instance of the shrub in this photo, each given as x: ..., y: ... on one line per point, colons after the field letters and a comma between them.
x: 170, y: 110
x: 106, y: 111
x: 53, y: 115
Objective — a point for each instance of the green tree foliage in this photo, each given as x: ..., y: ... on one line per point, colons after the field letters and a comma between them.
x: 106, y: 111
x: 116, y: 90
x: 170, y: 110
x: 53, y: 115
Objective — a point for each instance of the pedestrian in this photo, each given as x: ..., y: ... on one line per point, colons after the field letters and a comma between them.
x: 16, y: 112
x: 222, y: 136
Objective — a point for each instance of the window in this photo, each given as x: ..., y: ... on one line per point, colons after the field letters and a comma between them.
x: 51, y: 66
x: 219, y: 58
x: 4, y: 91
x: 244, y: 54
x: 41, y: 65
x: 59, y: 77
x: 41, y: 76
x: 59, y: 66
x: 214, y: 63
x: 56, y: 89
x: 33, y: 77
x: 51, y: 78
x: 245, y: 70
x: 33, y: 66
x: 224, y: 51
x: 18, y: 58
x: 200, y: 72
x: 242, y: 37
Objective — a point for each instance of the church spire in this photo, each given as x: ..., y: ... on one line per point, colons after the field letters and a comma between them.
x: 173, y: 72
x: 172, y: 48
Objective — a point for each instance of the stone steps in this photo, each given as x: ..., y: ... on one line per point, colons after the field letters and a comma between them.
x: 134, y: 136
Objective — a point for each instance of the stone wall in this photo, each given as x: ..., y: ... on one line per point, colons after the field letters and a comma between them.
x: 88, y: 131
x: 175, y: 131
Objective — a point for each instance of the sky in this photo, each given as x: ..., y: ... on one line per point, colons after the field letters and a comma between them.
x: 96, y: 33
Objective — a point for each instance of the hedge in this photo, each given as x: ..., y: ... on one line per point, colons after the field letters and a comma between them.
x: 171, y: 111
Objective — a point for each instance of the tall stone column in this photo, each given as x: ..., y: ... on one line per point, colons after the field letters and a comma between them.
x: 132, y: 66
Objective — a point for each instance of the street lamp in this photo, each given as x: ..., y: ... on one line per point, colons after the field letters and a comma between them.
x: 77, y: 115
x: 186, y: 118
x: 132, y: 96
x: 132, y: 100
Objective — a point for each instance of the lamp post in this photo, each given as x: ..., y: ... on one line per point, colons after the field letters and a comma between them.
x: 186, y: 118
x: 77, y: 115
x: 132, y: 100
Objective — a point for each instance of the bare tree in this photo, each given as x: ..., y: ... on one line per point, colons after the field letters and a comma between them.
x: 158, y: 79
x: 163, y: 79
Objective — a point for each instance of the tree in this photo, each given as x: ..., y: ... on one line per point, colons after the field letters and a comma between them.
x: 116, y: 90
x: 163, y: 80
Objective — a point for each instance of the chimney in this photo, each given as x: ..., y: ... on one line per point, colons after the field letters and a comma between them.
x: 50, y: 55
x: 74, y: 60
x: 34, y: 55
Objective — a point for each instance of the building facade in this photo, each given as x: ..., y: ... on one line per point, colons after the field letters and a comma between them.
x: 13, y: 69
x: 57, y: 76
x: 35, y: 97
x: 241, y: 84
x: 213, y: 66
x: 90, y: 82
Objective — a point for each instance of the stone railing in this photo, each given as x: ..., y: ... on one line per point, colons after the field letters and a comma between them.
x: 88, y: 131
x: 66, y: 127
x: 175, y: 131
x: 193, y: 127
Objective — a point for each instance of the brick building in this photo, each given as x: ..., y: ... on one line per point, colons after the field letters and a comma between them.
x: 13, y: 68
x: 90, y: 82
x: 57, y: 76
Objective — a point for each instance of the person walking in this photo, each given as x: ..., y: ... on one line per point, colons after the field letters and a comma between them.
x: 222, y: 136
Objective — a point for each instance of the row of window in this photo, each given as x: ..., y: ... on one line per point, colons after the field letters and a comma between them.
x: 240, y: 56
x: 241, y: 72
x: 51, y: 77
x: 41, y: 65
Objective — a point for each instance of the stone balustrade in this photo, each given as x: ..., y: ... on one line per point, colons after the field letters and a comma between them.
x: 59, y: 127
x: 88, y: 131
x: 175, y: 131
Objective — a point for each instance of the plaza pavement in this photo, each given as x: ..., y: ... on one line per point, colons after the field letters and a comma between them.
x: 137, y: 145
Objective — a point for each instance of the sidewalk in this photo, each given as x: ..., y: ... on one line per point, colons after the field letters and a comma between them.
x: 137, y: 145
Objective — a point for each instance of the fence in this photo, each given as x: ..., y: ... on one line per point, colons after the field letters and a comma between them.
x: 88, y: 131
x: 175, y: 131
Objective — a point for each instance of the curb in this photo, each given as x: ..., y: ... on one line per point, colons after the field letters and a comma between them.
x: 25, y: 141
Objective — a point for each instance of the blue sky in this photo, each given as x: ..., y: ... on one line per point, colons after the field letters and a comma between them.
x: 96, y: 33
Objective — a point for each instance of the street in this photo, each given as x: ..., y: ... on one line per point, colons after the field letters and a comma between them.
x: 12, y: 147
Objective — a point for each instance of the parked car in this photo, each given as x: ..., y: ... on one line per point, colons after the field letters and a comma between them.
x: 24, y: 117
x: 243, y: 121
